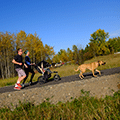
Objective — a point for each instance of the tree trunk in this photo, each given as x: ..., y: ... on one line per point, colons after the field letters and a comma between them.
x: 8, y: 64
x: 2, y: 73
x: 5, y: 64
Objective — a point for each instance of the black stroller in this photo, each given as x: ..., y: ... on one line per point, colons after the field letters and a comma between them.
x: 46, y: 72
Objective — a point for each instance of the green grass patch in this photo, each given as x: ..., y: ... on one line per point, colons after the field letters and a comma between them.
x: 85, y: 107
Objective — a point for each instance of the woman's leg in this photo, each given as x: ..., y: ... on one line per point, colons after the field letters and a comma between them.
x: 27, y: 73
x: 33, y: 73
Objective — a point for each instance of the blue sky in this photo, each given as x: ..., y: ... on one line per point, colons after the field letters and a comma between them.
x: 61, y: 23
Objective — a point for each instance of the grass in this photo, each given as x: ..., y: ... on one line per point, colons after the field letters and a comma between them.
x: 112, y: 61
x: 85, y: 107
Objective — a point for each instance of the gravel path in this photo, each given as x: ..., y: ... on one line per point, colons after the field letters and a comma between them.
x: 63, y: 90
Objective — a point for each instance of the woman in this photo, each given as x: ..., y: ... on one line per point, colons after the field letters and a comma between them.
x: 28, y: 69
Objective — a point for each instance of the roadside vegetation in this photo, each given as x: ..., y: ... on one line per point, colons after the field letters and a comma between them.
x: 112, y: 61
x: 85, y: 107
x: 100, y: 44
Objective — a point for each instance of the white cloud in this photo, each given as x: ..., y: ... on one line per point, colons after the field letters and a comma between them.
x: 115, y: 33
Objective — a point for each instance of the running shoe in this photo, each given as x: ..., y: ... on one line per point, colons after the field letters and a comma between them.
x: 17, y: 88
x: 18, y: 85
x: 30, y: 83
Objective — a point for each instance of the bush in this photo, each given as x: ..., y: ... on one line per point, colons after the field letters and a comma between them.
x: 85, y: 107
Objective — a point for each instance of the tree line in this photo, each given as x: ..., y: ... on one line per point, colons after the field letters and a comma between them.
x: 9, y: 43
x: 100, y: 44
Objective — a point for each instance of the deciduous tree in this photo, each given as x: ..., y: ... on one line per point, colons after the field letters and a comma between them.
x: 98, y: 42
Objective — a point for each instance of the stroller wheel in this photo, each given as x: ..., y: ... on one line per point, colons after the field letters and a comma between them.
x: 41, y: 80
x: 56, y: 77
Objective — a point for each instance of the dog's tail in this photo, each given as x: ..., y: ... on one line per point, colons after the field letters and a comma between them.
x: 76, y: 70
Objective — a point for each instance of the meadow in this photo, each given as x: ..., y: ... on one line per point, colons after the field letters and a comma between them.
x: 112, y: 61
x: 85, y: 107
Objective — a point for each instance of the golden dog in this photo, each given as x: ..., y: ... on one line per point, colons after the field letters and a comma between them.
x: 91, y: 66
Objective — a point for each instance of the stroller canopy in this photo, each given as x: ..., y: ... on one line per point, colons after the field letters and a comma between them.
x: 45, y: 64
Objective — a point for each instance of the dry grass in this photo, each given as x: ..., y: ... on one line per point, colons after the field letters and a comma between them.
x: 112, y: 61
x: 66, y: 70
x: 83, y: 108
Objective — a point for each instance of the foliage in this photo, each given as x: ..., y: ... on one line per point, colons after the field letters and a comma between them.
x: 49, y: 52
x: 9, y: 43
x: 85, y: 107
x: 111, y: 60
x: 98, y: 46
x: 6, y: 48
x: 114, y: 44
x: 98, y: 43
